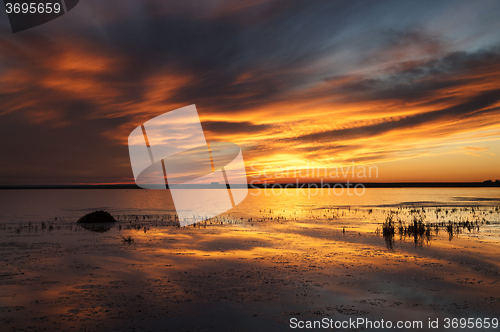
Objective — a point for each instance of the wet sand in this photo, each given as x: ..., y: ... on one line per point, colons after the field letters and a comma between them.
x: 241, y: 275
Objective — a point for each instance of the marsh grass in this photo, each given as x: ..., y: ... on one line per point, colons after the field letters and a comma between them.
x: 127, y: 239
x: 412, y: 223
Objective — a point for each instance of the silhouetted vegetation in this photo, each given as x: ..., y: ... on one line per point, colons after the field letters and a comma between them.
x: 422, y: 231
x: 127, y: 239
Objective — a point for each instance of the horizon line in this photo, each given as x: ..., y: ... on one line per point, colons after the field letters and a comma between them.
x: 289, y: 185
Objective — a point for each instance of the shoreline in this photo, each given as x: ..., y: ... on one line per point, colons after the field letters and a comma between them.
x: 251, y: 275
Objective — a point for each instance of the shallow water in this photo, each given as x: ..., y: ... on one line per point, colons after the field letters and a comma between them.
x: 68, y: 204
x: 267, y: 260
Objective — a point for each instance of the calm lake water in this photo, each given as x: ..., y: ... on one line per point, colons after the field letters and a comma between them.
x: 69, y: 205
x: 299, y: 253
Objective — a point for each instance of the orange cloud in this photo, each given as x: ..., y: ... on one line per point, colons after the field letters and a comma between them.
x: 288, y: 99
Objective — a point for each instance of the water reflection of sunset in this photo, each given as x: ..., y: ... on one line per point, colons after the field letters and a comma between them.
x: 270, y: 257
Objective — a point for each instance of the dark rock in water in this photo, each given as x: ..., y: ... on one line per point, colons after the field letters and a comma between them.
x: 97, y: 217
x: 98, y: 227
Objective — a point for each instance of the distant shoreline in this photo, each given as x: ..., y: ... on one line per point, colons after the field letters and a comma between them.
x: 276, y: 185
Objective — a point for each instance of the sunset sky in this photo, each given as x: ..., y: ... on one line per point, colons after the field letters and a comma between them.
x: 411, y: 87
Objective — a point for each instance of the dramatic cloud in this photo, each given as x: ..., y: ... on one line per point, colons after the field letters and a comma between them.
x: 291, y: 82
x: 238, y: 128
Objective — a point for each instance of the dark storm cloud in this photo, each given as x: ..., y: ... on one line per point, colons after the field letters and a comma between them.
x: 227, y: 127
x: 72, y: 154
x: 215, y: 53
x: 418, y: 81
x: 273, y: 51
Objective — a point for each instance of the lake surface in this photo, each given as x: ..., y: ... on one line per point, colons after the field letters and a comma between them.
x: 69, y: 205
x: 276, y: 256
